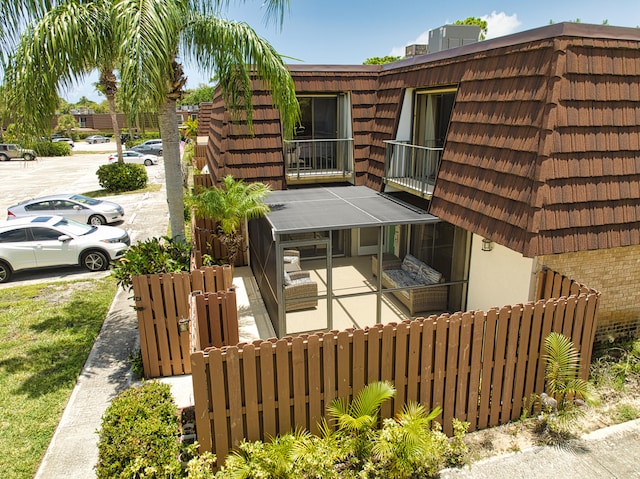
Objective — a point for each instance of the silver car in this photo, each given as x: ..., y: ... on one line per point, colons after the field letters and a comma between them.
x: 46, y: 241
x: 76, y: 207
x: 129, y: 156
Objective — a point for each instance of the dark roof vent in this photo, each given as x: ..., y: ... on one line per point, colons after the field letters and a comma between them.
x: 452, y: 36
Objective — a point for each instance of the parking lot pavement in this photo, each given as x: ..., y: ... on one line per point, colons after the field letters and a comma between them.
x: 146, y: 214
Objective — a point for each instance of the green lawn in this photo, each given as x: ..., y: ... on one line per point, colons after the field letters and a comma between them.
x: 46, y: 334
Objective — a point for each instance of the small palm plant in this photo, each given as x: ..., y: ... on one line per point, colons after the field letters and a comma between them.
x: 230, y: 205
x: 408, y: 444
x: 566, y: 391
x: 358, y: 419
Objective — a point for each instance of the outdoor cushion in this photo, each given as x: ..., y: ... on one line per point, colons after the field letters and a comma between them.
x: 428, y: 275
x: 400, y: 277
x: 290, y: 259
x: 287, y: 278
x: 299, y: 281
x: 411, y: 265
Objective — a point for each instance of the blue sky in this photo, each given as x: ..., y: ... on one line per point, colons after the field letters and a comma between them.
x: 350, y: 31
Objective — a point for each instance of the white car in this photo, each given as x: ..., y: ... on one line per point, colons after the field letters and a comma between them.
x: 46, y: 241
x: 64, y: 140
x: 130, y: 156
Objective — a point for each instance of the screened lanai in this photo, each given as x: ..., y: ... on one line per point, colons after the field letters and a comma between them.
x: 316, y: 255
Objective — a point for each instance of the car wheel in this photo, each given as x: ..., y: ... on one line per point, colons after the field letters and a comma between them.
x: 4, y: 158
x: 95, y: 260
x: 28, y: 157
x: 148, y: 162
x: 5, y: 272
x: 97, y: 220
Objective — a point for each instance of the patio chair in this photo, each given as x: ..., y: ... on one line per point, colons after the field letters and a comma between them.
x: 291, y: 260
x: 298, y: 284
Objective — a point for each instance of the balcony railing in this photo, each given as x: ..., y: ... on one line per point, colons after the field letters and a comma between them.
x: 412, y: 167
x: 318, y: 158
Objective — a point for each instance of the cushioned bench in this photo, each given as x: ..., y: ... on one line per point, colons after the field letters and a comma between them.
x: 425, y: 295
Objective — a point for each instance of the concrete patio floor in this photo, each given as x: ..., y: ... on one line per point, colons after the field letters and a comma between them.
x: 350, y: 276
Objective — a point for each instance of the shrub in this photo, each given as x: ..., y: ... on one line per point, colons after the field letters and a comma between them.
x: 116, y: 177
x: 153, y: 256
x: 139, y: 435
x: 48, y: 148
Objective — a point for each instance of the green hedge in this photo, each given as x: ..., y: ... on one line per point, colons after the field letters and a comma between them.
x: 139, y: 435
x: 48, y: 148
x: 117, y: 177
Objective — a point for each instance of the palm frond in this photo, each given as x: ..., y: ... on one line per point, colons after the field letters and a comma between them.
x: 238, y: 54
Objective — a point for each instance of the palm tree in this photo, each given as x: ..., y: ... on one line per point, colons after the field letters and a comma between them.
x: 151, y: 35
x: 155, y: 34
x: 231, y: 205
x: 63, y: 46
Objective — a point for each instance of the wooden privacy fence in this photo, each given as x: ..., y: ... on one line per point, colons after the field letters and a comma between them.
x: 214, y: 319
x: 162, y: 305
x: 479, y: 367
x: 551, y: 284
x: 201, y: 182
x: 205, y: 241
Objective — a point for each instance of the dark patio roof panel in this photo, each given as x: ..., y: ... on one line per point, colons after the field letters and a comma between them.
x: 338, y: 208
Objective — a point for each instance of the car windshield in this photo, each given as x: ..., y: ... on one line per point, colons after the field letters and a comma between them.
x: 85, y: 200
x: 73, y: 228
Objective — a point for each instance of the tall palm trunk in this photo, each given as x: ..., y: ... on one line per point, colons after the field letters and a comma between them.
x: 172, y: 167
x: 109, y: 83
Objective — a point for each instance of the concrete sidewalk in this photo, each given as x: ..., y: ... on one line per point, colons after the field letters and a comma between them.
x: 608, y: 453
x: 73, y: 451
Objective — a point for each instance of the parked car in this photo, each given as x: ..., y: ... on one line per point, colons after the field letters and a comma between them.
x: 124, y: 137
x: 10, y: 151
x: 77, y: 207
x: 46, y: 241
x: 129, y: 156
x: 96, y: 139
x: 66, y: 140
x: 154, y: 142
x: 148, y: 149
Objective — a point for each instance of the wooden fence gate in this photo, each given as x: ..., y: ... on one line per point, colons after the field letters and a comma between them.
x: 163, y: 311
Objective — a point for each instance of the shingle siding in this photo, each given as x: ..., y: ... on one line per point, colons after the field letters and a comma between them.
x: 542, y: 153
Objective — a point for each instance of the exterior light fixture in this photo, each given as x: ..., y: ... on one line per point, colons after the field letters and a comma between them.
x: 487, y: 244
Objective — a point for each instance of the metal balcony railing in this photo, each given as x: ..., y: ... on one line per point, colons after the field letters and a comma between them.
x: 318, y: 157
x: 412, y: 167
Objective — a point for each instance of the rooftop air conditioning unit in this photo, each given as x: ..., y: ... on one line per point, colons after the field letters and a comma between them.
x: 452, y: 36
x: 414, y: 50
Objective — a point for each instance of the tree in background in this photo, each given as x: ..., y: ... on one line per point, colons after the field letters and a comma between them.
x: 66, y: 124
x: 58, y: 47
x: 202, y: 94
x: 381, y: 60
x: 475, y: 21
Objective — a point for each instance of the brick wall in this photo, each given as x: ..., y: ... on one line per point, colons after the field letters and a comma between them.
x: 615, y: 273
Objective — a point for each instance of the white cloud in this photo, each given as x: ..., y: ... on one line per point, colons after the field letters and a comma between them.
x: 499, y: 24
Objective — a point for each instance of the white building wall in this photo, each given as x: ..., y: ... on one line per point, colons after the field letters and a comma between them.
x: 498, y: 277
